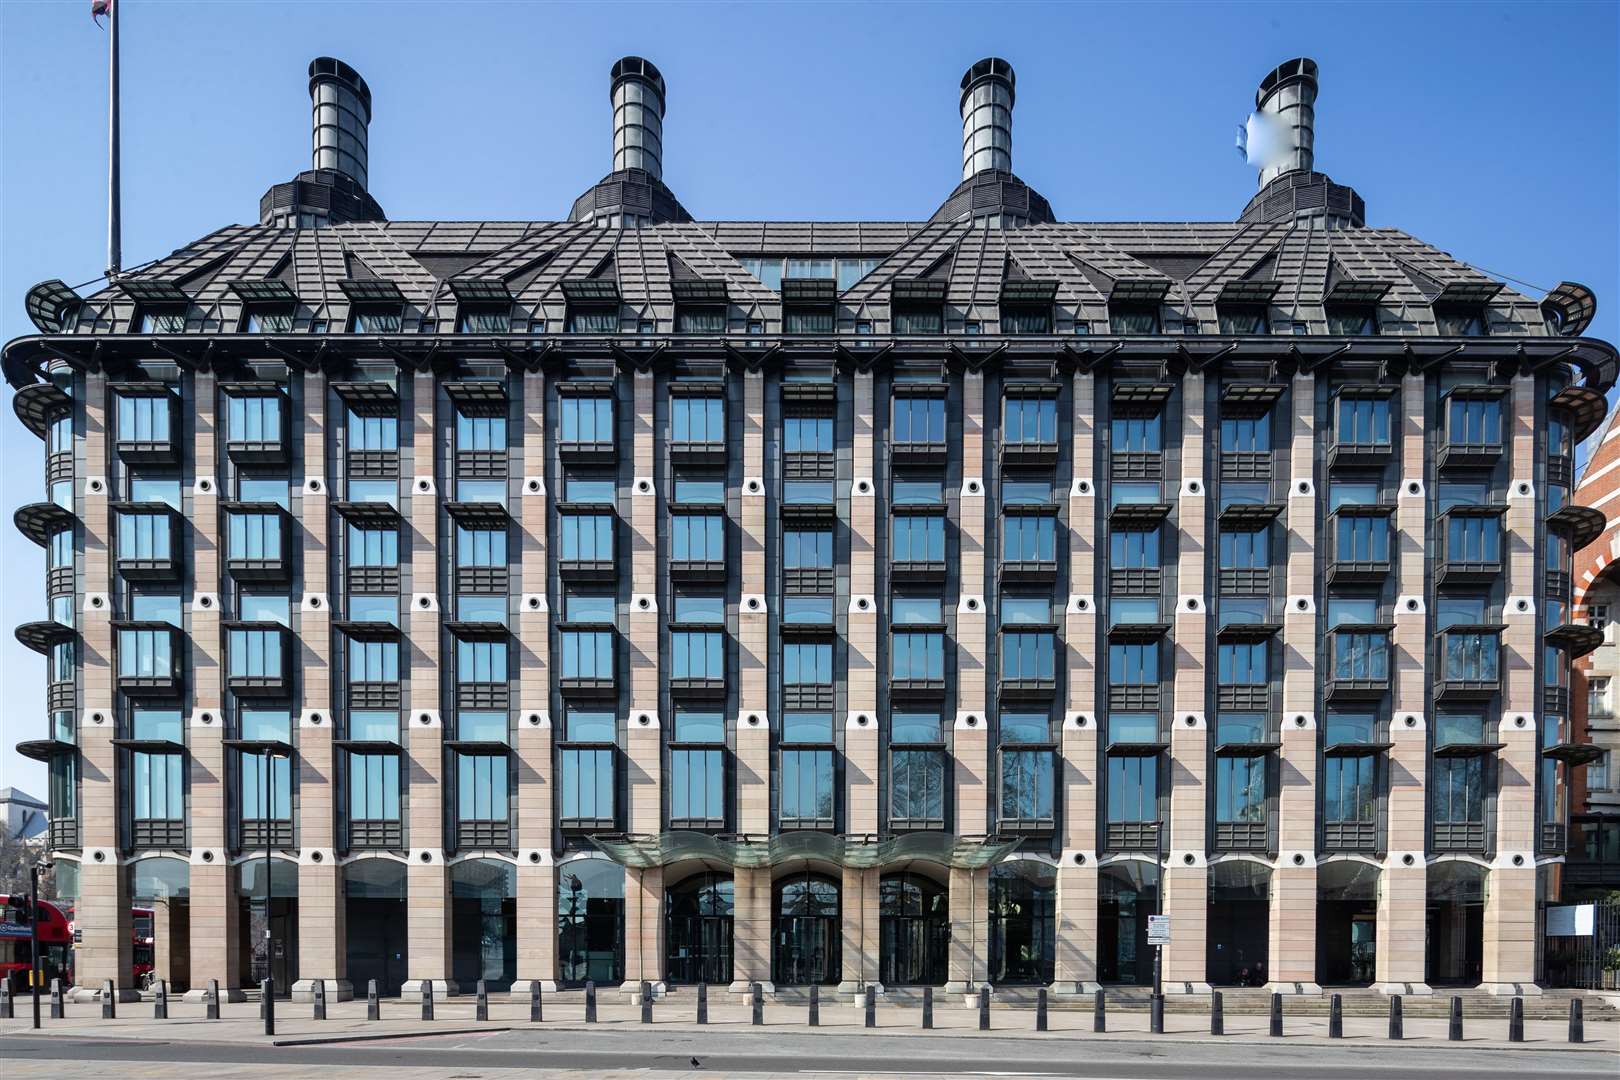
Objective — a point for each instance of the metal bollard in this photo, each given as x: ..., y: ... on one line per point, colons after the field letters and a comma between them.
x: 928, y: 1008
x: 320, y: 999
x: 109, y: 1001
x: 758, y: 994
x: 646, y: 1002
x: 7, y: 1010
x: 1454, y: 1029
x: 871, y: 1007
x: 1099, y: 1012
x: 1336, y: 1016
x: 267, y: 1005
x: 815, y: 1006
x: 1156, y: 1013
x: 984, y: 1008
x: 1276, y: 1015
x: 703, y: 1003
x: 1577, y: 1021
x: 1516, y: 1020
x: 1040, y: 1009
x: 535, y: 1014
x: 373, y: 1001
x: 1217, y: 1013
x: 160, y: 1001
x: 481, y: 1005
x: 590, y: 1002
x: 58, y: 1006
x: 212, y: 999
x: 427, y: 999
x: 1397, y: 1026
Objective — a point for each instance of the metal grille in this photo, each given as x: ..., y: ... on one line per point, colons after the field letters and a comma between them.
x: 1246, y: 581
x: 1134, y: 698
x: 917, y: 451
x: 481, y: 464
x: 1136, y: 465
x: 1136, y: 581
x: 1557, y: 585
x: 1558, y: 471
x: 705, y: 569
x: 1244, y: 698
x: 158, y: 834
x: 1554, y: 838
x: 59, y: 582
x: 803, y: 582
x: 1028, y: 570
x: 698, y: 687
x: 153, y: 450
x: 1467, y: 836
x: 1132, y: 836
x: 376, y: 834
x: 478, y: 695
x: 483, y: 580
x: 808, y: 696
x: 254, y: 684
x: 808, y: 466
x: 373, y: 580
x: 1350, y: 836
x: 1241, y: 835
x: 1556, y: 699
x: 64, y: 835
x: 483, y: 834
x: 148, y: 569
x: 913, y: 570
x: 374, y: 695
x: 58, y: 468
x: 60, y: 696
x: 1245, y: 465
x: 255, y: 834
x: 257, y: 568
x: 590, y: 686
x: 373, y: 464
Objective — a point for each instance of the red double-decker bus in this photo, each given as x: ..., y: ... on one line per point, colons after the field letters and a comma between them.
x: 16, y: 944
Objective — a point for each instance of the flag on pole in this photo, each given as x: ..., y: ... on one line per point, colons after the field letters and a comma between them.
x: 98, y: 8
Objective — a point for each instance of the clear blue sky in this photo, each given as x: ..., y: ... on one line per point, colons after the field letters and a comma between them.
x: 1488, y: 130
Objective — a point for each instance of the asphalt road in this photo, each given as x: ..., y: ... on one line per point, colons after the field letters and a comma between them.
x: 604, y: 1052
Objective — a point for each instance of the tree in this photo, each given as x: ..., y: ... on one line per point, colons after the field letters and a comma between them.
x: 16, y: 856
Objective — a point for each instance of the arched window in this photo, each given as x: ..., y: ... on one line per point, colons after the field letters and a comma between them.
x: 699, y: 913
x: 914, y: 930
x: 590, y: 922
x: 1023, y: 923
x: 806, y: 943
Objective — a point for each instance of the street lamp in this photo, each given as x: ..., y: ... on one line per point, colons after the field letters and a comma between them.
x: 270, y: 750
x: 34, y: 973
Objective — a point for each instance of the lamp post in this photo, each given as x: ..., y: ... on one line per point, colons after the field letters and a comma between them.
x: 270, y: 750
x: 33, y: 933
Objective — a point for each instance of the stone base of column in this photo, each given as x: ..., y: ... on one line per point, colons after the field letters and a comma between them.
x: 1184, y: 988
x: 520, y: 989
x: 1511, y: 989
x: 336, y: 990
x: 1404, y: 989
x: 1292, y: 988
x: 198, y: 995
x: 854, y: 989
x: 88, y: 994
x: 1075, y: 989
x: 632, y: 991
x: 740, y: 987
x: 441, y: 989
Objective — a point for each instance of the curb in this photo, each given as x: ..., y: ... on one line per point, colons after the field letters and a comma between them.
x: 327, y: 1040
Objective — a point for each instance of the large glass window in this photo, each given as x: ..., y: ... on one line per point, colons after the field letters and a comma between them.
x: 918, y: 655
x: 480, y: 432
x: 1349, y: 790
x: 594, y: 319
x: 369, y: 432
x: 156, y: 779
x: 806, y: 791
x: 254, y: 537
x: 1474, y: 421
x: 254, y: 418
x: 1133, y: 549
x: 1471, y: 656
x: 697, y: 654
x: 807, y: 549
x: 590, y: 922
x: 587, y: 420
x: 1028, y: 538
x: 1138, y: 434
x: 1027, y: 769
x: 255, y: 654
x: 143, y: 418
x: 374, y: 785
x: 480, y: 661
x: 481, y: 787
x: 1362, y: 421
x: 697, y: 780
x: 1362, y: 538
x: 373, y: 661
x: 1473, y: 538
x: 587, y: 762
x: 142, y: 654
x: 1458, y: 791
x: 699, y: 420
x: 807, y: 435
x: 585, y: 537
x: 1249, y: 550
x: 1028, y: 655
x: 480, y: 547
x: 807, y: 663
x: 1023, y: 923
x: 919, y: 419
x: 919, y: 538
x: 146, y: 537
x: 266, y: 780
x: 1246, y: 434
x: 806, y: 931
x: 1361, y: 655
x: 916, y: 770
x: 373, y: 547
x: 697, y: 538
x: 1464, y: 322
x: 1241, y: 663
x: 1029, y: 421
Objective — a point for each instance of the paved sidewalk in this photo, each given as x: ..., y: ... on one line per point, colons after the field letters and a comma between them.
x: 240, y: 1024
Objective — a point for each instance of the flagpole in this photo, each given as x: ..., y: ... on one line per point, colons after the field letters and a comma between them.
x: 114, y: 244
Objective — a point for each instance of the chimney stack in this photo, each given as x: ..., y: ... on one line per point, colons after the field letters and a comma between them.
x: 987, y: 103
x: 1287, y: 97
x: 341, y: 103
x: 638, y: 117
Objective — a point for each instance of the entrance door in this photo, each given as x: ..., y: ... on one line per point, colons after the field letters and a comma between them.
x: 376, y: 933
x: 913, y: 930
x: 806, y: 951
x: 1239, y: 939
x: 699, y: 923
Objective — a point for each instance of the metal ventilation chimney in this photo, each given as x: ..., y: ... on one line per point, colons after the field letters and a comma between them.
x: 988, y: 90
x: 638, y: 117
x: 333, y: 190
x: 1287, y: 97
x: 341, y: 103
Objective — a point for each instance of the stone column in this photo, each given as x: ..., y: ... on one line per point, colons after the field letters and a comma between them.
x: 216, y: 908
x: 1510, y: 906
x: 323, y: 948
x: 971, y: 738
x: 751, y: 926
x: 1292, y: 946
x: 1403, y: 887
x: 427, y: 879
x: 860, y: 936
x: 1186, y: 877
x: 171, y: 945
x: 105, y: 950
x: 970, y: 927
x: 644, y: 920
x: 1076, y: 960
x: 536, y: 871
x: 861, y: 766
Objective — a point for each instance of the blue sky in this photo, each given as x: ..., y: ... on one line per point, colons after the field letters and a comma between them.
x: 1489, y: 130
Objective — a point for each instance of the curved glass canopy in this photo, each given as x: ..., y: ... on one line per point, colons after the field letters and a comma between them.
x: 678, y: 845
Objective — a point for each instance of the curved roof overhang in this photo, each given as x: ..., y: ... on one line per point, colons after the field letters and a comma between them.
x: 24, y: 359
x: 1574, y: 305
x: 785, y: 849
